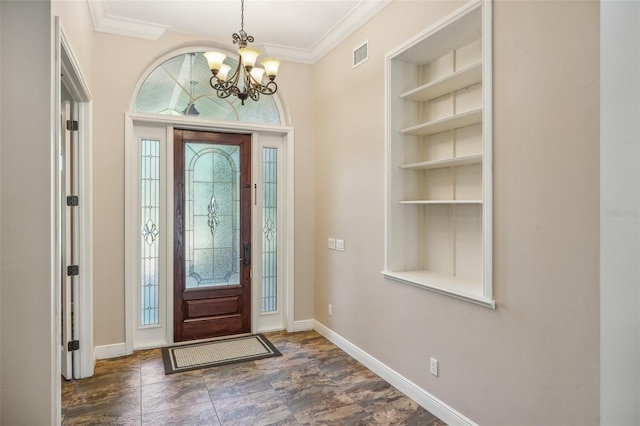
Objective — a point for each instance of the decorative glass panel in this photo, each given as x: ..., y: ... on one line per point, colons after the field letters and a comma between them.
x: 212, y: 215
x: 269, y: 230
x: 150, y: 212
x: 180, y: 86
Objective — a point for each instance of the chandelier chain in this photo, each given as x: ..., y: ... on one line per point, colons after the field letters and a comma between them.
x: 242, y: 83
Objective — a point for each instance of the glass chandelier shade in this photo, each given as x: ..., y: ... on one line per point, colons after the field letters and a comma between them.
x: 246, y: 80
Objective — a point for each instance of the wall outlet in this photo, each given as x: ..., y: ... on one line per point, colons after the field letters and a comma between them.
x: 330, y: 309
x: 433, y: 366
x: 332, y: 243
x: 340, y: 245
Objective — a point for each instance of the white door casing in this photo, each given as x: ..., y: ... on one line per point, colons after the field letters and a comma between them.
x: 69, y: 75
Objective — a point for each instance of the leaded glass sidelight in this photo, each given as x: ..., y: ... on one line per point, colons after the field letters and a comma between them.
x: 269, y: 230
x: 212, y: 215
x: 149, y: 220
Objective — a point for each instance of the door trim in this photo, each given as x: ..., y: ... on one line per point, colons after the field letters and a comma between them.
x: 194, y: 123
x: 69, y: 72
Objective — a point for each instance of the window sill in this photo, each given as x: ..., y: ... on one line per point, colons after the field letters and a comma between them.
x: 459, y: 288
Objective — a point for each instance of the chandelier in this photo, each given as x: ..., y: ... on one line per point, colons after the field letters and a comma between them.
x: 246, y: 81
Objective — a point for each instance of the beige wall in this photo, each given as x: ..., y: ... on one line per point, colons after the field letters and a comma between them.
x: 535, y: 359
x: 27, y: 325
x: 76, y: 23
x: 293, y: 82
x: 112, y: 94
x: 538, y: 352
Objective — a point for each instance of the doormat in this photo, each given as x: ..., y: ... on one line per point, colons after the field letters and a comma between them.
x: 219, y: 352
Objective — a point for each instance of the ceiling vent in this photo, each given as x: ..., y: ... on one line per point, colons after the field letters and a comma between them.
x: 361, y: 53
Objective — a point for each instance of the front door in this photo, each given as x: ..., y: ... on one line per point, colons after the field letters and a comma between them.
x: 212, y: 234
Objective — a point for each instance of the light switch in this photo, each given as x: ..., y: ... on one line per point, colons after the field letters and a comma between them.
x: 332, y: 243
x: 340, y: 245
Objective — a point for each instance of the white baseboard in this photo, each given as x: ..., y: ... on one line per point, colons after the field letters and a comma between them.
x: 303, y: 325
x: 404, y: 385
x: 110, y: 351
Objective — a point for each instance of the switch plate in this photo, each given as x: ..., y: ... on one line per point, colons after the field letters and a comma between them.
x: 433, y: 366
x: 340, y: 245
x: 332, y: 243
x: 330, y: 310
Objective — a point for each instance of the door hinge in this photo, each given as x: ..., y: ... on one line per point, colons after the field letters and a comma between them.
x: 72, y: 124
x: 72, y: 200
x: 73, y: 345
x: 73, y: 270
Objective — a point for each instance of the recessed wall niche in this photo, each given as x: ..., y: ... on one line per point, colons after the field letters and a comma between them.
x: 439, y: 174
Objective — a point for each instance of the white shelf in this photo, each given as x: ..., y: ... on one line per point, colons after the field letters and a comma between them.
x: 448, y: 84
x: 444, y: 124
x: 449, y: 227
x: 448, y: 162
x: 446, y: 35
x: 441, y: 202
x: 460, y: 288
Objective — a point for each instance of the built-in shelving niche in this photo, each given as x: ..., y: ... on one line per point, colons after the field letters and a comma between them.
x: 439, y: 137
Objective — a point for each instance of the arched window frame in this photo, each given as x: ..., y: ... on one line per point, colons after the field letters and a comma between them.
x: 281, y: 107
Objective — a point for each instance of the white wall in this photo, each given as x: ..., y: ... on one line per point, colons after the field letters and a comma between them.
x: 620, y: 213
x: 28, y: 353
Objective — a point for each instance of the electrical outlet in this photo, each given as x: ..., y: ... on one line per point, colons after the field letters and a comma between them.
x: 330, y: 309
x: 434, y: 366
x: 332, y: 243
x: 340, y: 245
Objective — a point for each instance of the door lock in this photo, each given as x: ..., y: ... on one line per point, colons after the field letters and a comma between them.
x: 247, y: 254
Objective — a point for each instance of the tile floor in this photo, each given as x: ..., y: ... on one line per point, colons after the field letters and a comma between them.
x: 312, y: 383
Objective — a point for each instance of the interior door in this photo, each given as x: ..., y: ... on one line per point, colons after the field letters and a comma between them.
x: 69, y: 238
x: 212, y: 234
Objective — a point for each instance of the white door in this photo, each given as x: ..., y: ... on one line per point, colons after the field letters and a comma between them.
x: 73, y: 236
x: 69, y: 238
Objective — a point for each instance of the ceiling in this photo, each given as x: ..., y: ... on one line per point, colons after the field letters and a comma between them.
x: 293, y: 30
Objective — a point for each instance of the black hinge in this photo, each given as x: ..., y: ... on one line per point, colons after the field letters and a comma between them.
x: 72, y: 124
x: 73, y: 345
x: 73, y: 270
x: 72, y: 200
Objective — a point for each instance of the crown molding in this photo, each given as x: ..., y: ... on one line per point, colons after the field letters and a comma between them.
x: 350, y: 23
x: 103, y: 22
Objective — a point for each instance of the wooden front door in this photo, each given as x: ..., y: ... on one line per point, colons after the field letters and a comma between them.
x: 212, y: 237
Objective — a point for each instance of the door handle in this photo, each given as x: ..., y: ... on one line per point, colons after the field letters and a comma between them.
x: 247, y: 254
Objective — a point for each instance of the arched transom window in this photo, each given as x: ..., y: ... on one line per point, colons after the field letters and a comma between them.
x: 180, y: 86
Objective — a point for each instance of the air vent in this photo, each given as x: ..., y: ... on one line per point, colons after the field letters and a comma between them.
x: 361, y: 53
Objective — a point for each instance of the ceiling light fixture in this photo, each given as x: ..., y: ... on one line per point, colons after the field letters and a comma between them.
x: 251, y: 82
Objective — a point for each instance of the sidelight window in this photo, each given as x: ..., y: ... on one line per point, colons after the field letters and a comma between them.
x: 269, y: 229
x: 149, y: 244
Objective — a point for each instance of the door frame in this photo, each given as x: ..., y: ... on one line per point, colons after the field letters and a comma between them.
x: 131, y: 226
x: 69, y: 73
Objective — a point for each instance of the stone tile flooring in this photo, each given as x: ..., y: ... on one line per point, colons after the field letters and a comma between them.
x: 312, y: 383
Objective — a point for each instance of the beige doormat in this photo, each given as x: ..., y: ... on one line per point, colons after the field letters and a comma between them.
x: 218, y: 352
